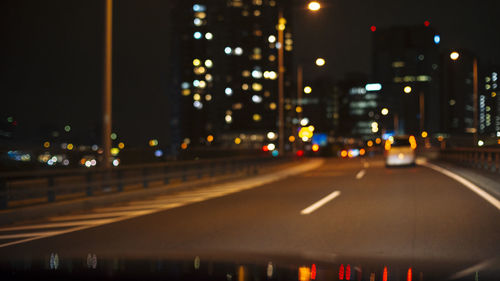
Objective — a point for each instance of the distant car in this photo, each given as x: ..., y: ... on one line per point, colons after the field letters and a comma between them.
x: 400, y: 151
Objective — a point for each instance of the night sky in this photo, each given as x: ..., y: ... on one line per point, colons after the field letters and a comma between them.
x: 51, y: 54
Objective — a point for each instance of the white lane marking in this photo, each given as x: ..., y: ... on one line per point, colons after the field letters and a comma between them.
x: 475, y: 268
x: 360, y: 174
x: 320, y: 203
x: 474, y: 188
x: 54, y: 225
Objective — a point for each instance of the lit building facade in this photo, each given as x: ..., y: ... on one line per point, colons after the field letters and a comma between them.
x: 489, y: 103
x: 228, y: 96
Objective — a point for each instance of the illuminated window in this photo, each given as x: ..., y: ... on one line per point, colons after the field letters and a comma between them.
x: 245, y: 73
x: 257, y: 2
x: 244, y: 87
x: 398, y: 64
x: 257, y: 87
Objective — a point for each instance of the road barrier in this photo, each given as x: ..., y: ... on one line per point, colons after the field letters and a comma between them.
x: 28, y: 188
x: 480, y: 158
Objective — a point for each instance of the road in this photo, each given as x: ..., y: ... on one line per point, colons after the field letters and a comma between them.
x: 343, y: 208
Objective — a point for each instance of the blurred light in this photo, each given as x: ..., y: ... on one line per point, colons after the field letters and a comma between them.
x: 378, y: 140
x: 197, y: 35
x: 256, y: 117
x: 313, y: 271
x: 341, y: 269
x: 95, y: 147
x: 237, y: 140
x: 184, y: 145
x: 238, y: 51
x: 348, y: 272
x: 257, y: 74
x: 413, y: 142
x: 275, y: 153
x: 369, y: 143
x: 70, y: 146
x: 305, y: 139
x: 304, y: 121
x: 320, y: 62
x: 407, y: 89
x: 343, y: 153
x: 93, y: 162
x: 257, y: 87
x: 196, y: 97
x: 208, y: 97
x: 373, y: 28
x: 311, y: 128
x: 158, y: 153
x: 304, y: 273
x: 228, y: 50
x: 454, y: 55
x: 427, y: 23
x: 185, y: 85
x: 315, y: 147
x: 228, y: 119
x: 387, y: 145
x: 373, y: 87
x: 113, y: 136
x: 384, y: 111
x: 281, y: 26
x: 65, y: 162
x: 272, y: 106
x: 210, y: 138
x: 114, y: 151
x: 209, y: 63
x: 209, y: 36
x: 121, y: 145
x: 384, y: 276
x: 116, y: 162
x: 197, y: 104
x: 153, y: 142
x: 424, y: 134
x: 46, y: 144
x: 298, y: 109
x: 10, y: 119
x: 314, y: 6
x: 202, y: 84
x: 408, y: 275
x: 480, y: 142
x: 88, y: 164
x: 197, y: 22
x: 271, y: 135
x: 300, y: 153
x: 271, y: 38
x: 264, y: 148
x: 291, y: 138
x: 271, y: 146
x: 196, y: 62
x: 198, y: 8
x: 67, y: 128
x: 307, y: 89
x: 362, y: 151
x: 437, y: 39
x: 228, y: 91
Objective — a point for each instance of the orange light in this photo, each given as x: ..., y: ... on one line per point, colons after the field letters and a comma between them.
x: 184, y: 145
x: 408, y: 276
x: 343, y: 153
x: 384, y: 277
x: 413, y: 142
x: 304, y: 273
x: 378, y: 141
x: 350, y: 154
x: 387, y: 145
x: 362, y: 151
x: 210, y: 138
x: 315, y: 147
x: 369, y: 143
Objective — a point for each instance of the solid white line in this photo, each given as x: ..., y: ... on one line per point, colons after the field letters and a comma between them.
x: 360, y: 174
x: 476, y: 189
x: 320, y: 203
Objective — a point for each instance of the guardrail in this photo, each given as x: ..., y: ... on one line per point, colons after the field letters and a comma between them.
x: 26, y: 188
x: 481, y: 158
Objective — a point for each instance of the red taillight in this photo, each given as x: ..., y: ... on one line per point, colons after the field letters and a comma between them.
x: 408, y: 277
x: 264, y: 148
x: 313, y: 271
x: 341, y: 272
x: 384, y: 276
x: 348, y: 272
x: 300, y: 153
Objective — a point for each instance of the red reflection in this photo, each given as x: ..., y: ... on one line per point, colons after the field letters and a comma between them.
x: 313, y: 271
x: 373, y: 28
x: 348, y: 272
x: 300, y: 153
x: 341, y: 272
x: 384, y: 277
x: 408, y: 277
x: 264, y: 148
x: 427, y: 23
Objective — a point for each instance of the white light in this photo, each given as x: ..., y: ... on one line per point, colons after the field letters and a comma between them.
x: 374, y: 124
x: 272, y: 75
x: 271, y: 146
x: 305, y: 139
x: 304, y: 121
x: 197, y: 104
x: 197, y: 35
x: 185, y: 85
x: 88, y: 164
x: 116, y: 162
x: 238, y: 51
x: 229, y: 119
x: 209, y: 36
x: 228, y: 50
x: 257, y: 74
x: 437, y: 39
x: 278, y: 45
x: 271, y: 135
x: 199, y: 8
x: 271, y: 39
x: 256, y: 99
x: 196, y: 83
x: 498, y: 134
x: 93, y: 162
x: 209, y: 63
x: 197, y: 22
x: 480, y: 143
x: 228, y: 91
x: 202, y: 84
x: 373, y: 87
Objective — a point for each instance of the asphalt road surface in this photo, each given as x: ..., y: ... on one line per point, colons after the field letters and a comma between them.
x: 343, y: 208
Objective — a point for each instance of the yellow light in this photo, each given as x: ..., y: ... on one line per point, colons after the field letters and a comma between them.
x: 343, y: 153
x: 153, y: 142
x: 384, y: 111
x: 184, y: 145
x: 70, y: 146
x: 237, y: 140
x: 369, y: 143
x: 291, y: 138
x: 186, y: 92
x: 196, y: 62
x: 378, y: 140
x: 281, y: 24
x: 46, y: 144
x: 196, y: 96
x: 298, y: 109
x: 387, y: 145
x: 493, y: 94
x: 210, y: 138
x: 424, y: 134
x: 407, y: 89
x: 315, y: 147
x: 311, y: 128
x: 320, y: 62
x: 454, y: 55
x: 115, y: 151
x: 257, y: 87
x: 362, y: 151
x: 256, y: 117
x: 413, y: 142
x: 350, y: 154
x: 304, y: 273
x: 307, y: 89
x: 272, y: 106
x: 121, y: 145
x: 314, y: 6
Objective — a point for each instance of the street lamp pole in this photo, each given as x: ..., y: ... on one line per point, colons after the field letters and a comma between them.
x: 475, y: 98
x: 281, y: 86
x: 107, y: 85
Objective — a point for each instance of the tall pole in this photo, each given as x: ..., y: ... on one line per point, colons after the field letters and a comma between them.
x: 299, y: 100
x: 474, y: 102
x: 107, y: 85
x: 281, y: 72
x: 422, y: 111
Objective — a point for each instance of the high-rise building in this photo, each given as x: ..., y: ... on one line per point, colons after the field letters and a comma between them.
x: 229, y: 81
x: 405, y: 61
x: 489, y: 103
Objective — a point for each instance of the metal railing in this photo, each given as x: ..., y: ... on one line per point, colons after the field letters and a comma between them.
x: 480, y: 158
x: 27, y: 188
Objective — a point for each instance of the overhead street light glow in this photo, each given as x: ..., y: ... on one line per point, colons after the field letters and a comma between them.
x: 320, y: 61
x: 373, y: 87
x: 407, y: 89
x: 314, y: 6
x: 454, y: 55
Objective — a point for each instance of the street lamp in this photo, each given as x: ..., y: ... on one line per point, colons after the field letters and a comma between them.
x: 407, y: 89
x: 320, y: 61
x: 314, y: 6
x: 454, y: 55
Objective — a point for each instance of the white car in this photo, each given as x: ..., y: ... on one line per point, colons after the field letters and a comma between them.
x: 400, y: 151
